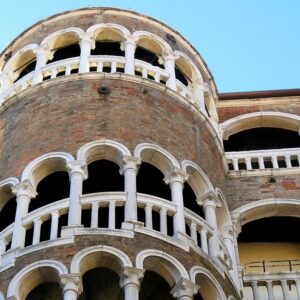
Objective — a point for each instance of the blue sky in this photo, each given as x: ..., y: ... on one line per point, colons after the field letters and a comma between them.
x: 248, y: 45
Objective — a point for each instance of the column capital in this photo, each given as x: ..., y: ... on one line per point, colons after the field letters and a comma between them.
x: 169, y: 55
x: 44, y: 50
x: 78, y: 166
x: 176, y: 175
x: 130, y: 39
x: 88, y: 38
x: 24, y: 188
x: 209, y: 199
x: 130, y: 162
x: 131, y: 276
x: 183, y: 288
x: 71, y: 282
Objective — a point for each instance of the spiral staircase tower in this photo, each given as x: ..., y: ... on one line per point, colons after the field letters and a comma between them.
x: 114, y: 180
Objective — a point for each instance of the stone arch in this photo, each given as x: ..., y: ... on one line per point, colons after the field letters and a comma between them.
x: 210, y: 288
x: 222, y: 212
x: 197, y: 178
x: 44, y: 165
x: 187, y: 66
x: 266, y: 208
x: 33, y: 275
x: 151, y: 42
x: 103, y: 149
x: 104, y: 256
x: 63, y: 37
x: 5, y: 190
x: 260, y: 119
x: 111, y: 30
x: 162, y: 263
x: 157, y: 156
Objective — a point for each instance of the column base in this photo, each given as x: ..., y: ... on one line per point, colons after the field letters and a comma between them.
x: 69, y: 231
x: 182, y: 237
x: 132, y: 225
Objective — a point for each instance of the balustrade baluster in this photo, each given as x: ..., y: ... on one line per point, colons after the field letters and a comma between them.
x: 157, y: 76
x: 36, y: 231
x: 148, y: 213
x: 113, y: 67
x: 95, y: 212
x: 288, y: 161
x: 100, y: 66
x: 163, y: 221
x: 68, y: 70
x: 193, y: 228
x: 54, y: 225
x: 53, y: 73
x: 275, y: 162
x: 3, y: 244
x: 24, y: 85
x: 270, y: 290
x: 255, y: 290
x: 144, y: 72
x: 248, y: 163
x: 203, y: 236
x: 235, y: 162
x: 285, y: 290
x: 261, y: 162
x: 112, y: 215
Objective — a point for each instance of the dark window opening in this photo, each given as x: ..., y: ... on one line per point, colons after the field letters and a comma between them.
x: 150, y: 181
x: 65, y: 52
x: 7, y: 214
x: 53, y: 187
x: 104, y: 176
x: 46, y: 291
x: 262, y: 139
x: 273, y: 229
x: 147, y: 56
x: 181, y: 77
x: 101, y: 284
x: 189, y: 200
x: 154, y: 287
x: 108, y: 48
x: 28, y: 68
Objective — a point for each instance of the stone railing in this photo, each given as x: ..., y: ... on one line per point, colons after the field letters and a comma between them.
x: 263, y: 159
x: 96, y: 63
x: 272, y: 286
x: 106, y: 211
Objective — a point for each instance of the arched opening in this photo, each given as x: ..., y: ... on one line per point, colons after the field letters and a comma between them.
x: 190, y: 200
x: 8, y: 206
x: 24, y: 64
x: 183, y: 71
x: 270, y: 245
x: 262, y: 139
x: 103, y: 176
x: 207, y: 289
x: 46, y: 291
x: 101, y: 284
x: 154, y: 287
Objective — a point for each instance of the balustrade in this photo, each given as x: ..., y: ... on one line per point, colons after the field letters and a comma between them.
x: 263, y: 159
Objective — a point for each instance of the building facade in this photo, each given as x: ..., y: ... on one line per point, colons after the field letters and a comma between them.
x: 126, y: 175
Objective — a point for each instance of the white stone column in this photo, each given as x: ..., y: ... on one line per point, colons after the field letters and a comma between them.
x: 285, y: 290
x: 86, y: 45
x: 129, y: 170
x: 71, y: 286
x: 176, y: 179
x: 24, y: 192
x: 43, y: 54
x: 7, y: 82
x: 297, y: 283
x: 169, y: 63
x: 270, y: 290
x: 210, y: 202
x: 130, y: 282
x: 129, y: 47
x: 77, y: 174
x: 255, y: 290
x: 184, y: 290
x: 198, y: 92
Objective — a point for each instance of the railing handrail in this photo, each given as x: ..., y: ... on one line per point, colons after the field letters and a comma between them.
x: 156, y: 201
x: 61, y: 63
x: 141, y: 63
x: 20, y: 82
x: 260, y: 153
x: 103, y: 197
x: 105, y: 58
x: 193, y: 217
x: 6, y: 231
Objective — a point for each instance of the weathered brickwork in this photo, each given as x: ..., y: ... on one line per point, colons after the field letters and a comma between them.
x: 67, y: 115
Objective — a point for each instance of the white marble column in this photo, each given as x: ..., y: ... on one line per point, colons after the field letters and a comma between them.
x: 255, y: 290
x: 184, y: 290
x: 169, y: 63
x: 270, y: 290
x: 24, y: 192
x: 129, y: 47
x: 129, y: 170
x: 130, y: 282
x: 86, y: 45
x: 71, y: 285
x: 43, y: 54
x: 210, y: 202
x: 77, y: 174
x: 176, y: 179
x: 285, y: 290
x: 198, y: 92
x: 297, y: 283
